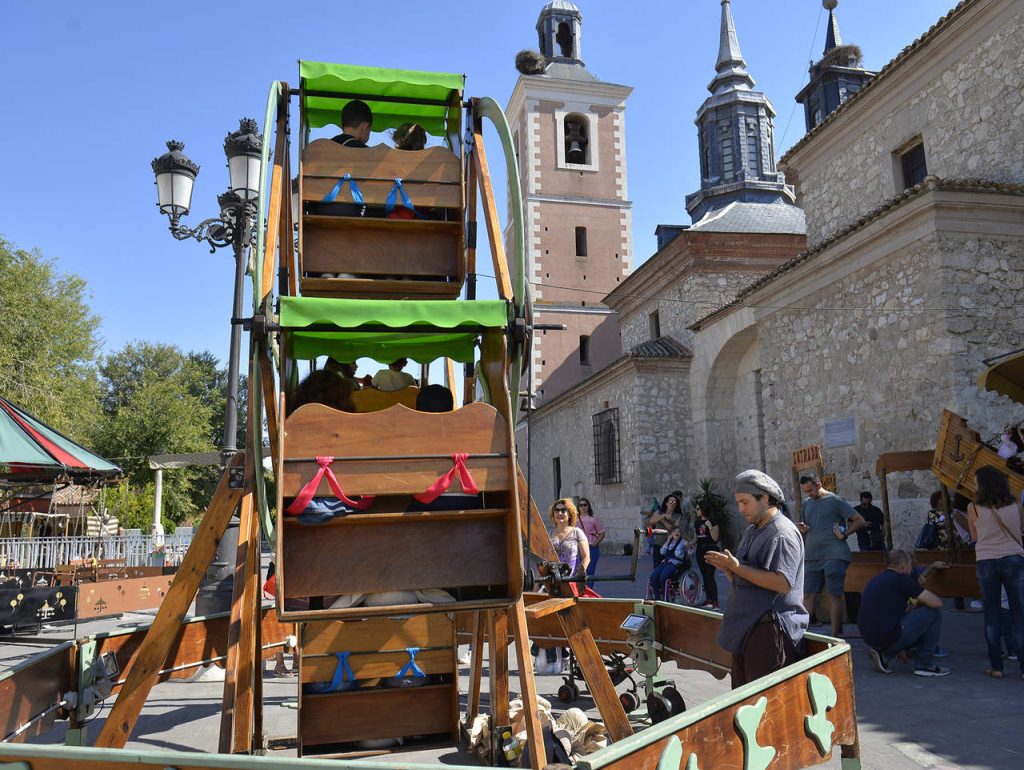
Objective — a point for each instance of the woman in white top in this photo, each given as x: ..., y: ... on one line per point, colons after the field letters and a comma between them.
x: 997, y: 521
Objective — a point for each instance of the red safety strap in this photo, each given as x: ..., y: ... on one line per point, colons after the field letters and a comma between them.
x: 307, y: 492
x: 441, y: 485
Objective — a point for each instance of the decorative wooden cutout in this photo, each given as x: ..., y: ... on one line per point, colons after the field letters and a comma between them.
x: 755, y: 757
x: 672, y: 756
x: 823, y: 698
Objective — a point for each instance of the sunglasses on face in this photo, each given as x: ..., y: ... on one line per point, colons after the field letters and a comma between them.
x: 561, y: 510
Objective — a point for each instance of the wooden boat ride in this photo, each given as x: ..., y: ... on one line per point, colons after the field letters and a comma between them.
x: 385, y: 591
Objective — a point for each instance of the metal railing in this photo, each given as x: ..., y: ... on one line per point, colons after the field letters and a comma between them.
x: 136, y: 550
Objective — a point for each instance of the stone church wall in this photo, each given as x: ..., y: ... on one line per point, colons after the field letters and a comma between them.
x: 892, y: 345
x: 654, y: 442
x: 969, y: 113
x: 682, y: 304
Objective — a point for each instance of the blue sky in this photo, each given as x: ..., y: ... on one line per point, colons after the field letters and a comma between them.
x: 95, y: 89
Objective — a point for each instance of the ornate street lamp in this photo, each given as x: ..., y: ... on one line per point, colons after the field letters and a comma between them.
x: 175, y: 176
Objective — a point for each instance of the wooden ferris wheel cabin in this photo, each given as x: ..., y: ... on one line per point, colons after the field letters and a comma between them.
x: 438, y: 537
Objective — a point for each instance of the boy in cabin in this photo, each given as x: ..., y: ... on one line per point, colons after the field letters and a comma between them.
x: 356, y: 125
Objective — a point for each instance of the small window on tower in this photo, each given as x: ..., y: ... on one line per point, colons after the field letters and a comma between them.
x: 655, y: 324
x: 577, y: 143
x: 912, y: 164
x: 584, y: 350
x: 581, y: 241
x: 556, y: 473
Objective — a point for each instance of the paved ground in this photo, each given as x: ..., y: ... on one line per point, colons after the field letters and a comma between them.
x: 962, y: 721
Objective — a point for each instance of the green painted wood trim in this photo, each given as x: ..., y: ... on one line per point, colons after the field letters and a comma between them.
x: 663, y: 730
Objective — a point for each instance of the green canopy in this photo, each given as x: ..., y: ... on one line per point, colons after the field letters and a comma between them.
x: 319, y: 80
x: 425, y: 330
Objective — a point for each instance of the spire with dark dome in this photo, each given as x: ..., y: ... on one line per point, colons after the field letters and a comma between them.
x: 832, y: 36
x: 735, y: 135
x: 731, y: 68
x: 836, y: 77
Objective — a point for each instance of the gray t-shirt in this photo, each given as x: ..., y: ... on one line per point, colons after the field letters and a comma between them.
x: 776, y: 547
x: 820, y: 514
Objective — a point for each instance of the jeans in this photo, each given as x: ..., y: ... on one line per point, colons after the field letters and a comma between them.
x: 662, y: 574
x: 993, y: 576
x: 595, y: 554
x: 920, y: 628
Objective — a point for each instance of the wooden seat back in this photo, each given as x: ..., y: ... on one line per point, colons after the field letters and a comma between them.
x: 373, y: 400
x: 377, y: 256
x: 394, y: 454
x: 377, y: 649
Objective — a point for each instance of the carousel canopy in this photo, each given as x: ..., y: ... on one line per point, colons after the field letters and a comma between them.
x: 31, y: 451
x: 394, y: 96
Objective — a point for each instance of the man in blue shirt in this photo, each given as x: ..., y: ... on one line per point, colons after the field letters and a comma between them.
x: 826, y: 521
x: 886, y: 625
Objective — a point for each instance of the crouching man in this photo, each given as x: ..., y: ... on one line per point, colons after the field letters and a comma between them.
x: 889, y: 626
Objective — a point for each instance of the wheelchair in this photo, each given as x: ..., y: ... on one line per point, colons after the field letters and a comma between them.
x: 685, y: 587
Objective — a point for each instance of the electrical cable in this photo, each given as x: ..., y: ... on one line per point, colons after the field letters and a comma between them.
x: 810, y: 53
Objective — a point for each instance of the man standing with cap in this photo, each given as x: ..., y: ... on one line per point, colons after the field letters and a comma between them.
x: 764, y: 622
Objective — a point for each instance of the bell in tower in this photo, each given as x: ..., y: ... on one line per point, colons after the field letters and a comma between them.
x: 575, y: 141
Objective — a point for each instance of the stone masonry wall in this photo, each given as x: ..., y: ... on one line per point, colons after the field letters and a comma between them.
x: 868, y: 346
x: 681, y: 304
x: 655, y: 444
x: 971, y: 119
x: 893, y: 345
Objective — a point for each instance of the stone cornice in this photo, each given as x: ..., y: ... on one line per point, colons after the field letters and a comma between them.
x: 959, y: 194
x: 676, y: 260
x: 540, y: 87
x: 859, y: 102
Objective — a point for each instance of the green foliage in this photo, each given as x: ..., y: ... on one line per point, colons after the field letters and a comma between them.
x: 153, y: 402
x: 48, y: 342
x: 133, y: 507
x: 719, y: 515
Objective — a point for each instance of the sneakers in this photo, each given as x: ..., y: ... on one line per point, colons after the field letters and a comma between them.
x: 932, y: 670
x: 879, y: 662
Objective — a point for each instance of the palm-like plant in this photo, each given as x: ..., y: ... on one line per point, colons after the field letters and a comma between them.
x: 707, y: 493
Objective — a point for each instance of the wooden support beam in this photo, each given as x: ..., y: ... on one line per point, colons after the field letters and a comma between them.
x: 501, y: 275
x: 528, y: 686
x: 269, y: 401
x: 476, y: 669
x: 548, y: 606
x: 236, y: 716
x: 279, y: 189
x: 497, y: 634
x: 588, y: 657
x: 166, y: 626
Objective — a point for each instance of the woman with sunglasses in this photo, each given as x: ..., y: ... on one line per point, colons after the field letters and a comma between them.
x: 594, y: 531
x: 569, y: 541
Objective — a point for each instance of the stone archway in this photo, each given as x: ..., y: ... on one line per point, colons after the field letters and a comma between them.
x: 733, y: 418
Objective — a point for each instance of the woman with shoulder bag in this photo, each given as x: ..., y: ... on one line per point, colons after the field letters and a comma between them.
x: 996, y: 521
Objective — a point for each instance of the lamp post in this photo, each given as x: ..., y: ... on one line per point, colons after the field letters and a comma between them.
x: 175, y: 177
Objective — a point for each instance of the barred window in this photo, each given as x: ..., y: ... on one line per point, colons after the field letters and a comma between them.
x: 606, y: 447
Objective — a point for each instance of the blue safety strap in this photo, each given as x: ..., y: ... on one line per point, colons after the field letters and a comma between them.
x: 357, y: 194
x: 392, y: 199
x: 342, y: 671
x: 410, y: 668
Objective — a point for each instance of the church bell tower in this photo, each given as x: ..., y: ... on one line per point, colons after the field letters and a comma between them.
x: 569, y: 128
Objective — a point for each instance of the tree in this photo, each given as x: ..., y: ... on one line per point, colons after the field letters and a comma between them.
x: 48, y: 342
x: 153, y: 401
